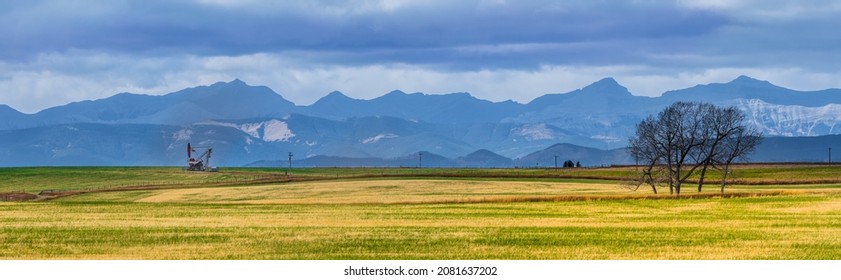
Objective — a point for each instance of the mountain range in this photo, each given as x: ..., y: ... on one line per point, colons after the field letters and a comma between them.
x: 254, y: 125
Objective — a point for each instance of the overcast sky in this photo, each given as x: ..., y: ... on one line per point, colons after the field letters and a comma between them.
x: 55, y: 52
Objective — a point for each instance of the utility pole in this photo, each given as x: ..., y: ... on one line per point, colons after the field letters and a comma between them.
x: 420, y: 159
x: 288, y: 170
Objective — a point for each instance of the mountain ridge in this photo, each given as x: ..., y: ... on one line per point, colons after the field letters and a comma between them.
x: 744, y: 87
x: 251, y: 123
x: 606, y: 85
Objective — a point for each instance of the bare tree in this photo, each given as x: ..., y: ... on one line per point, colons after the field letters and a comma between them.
x: 687, y: 136
x: 721, y: 124
x: 645, y: 149
x: 737, y: 146
x: 693, y: 134
x: 680, y: 134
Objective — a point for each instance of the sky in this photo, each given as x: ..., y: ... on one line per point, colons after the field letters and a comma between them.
x: 54, y: 52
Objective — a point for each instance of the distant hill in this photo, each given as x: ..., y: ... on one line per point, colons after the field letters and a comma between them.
x: 798, y: 149
x: 584, y: 155
x: 88, y: 144
x: 412, y: 160
x: 484, y: 159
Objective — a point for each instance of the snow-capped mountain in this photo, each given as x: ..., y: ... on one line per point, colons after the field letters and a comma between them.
x: 791, y: 120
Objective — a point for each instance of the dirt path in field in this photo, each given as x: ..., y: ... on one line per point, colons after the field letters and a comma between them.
x: 17, y: 196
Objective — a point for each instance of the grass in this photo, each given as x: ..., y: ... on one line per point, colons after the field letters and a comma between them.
x: 418, y: 191
x: 782, y: 227
x: 417, y: 216
x: 381, y: 191
x: 36, y: 179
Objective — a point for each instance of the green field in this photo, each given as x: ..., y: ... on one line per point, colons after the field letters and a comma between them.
x: 782, y: 212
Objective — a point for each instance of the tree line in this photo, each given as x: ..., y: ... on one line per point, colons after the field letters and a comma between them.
x: 689, y: 138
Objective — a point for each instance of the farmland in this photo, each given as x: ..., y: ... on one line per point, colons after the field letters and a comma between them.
x: 776, y: 212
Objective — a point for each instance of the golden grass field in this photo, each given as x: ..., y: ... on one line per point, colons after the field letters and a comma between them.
x: 428, y: 218
x: 375, y: 192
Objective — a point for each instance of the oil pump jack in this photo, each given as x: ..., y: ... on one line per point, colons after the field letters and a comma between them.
x: 200, y: 163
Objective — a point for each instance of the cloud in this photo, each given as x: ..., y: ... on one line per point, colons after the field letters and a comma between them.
x: 59, y: 78
x: 767, y: 10
x: 56, y: 52
x: 380, y: 30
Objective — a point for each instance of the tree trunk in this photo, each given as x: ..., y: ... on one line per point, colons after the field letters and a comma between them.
x: 703, y: 172
x: 647, y: 173
x: 671, y: 185
x: 724, y: 176
x: 677, y: 181
x: 651, y: 182
x: 677, y: 189
x: 648, y: 179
